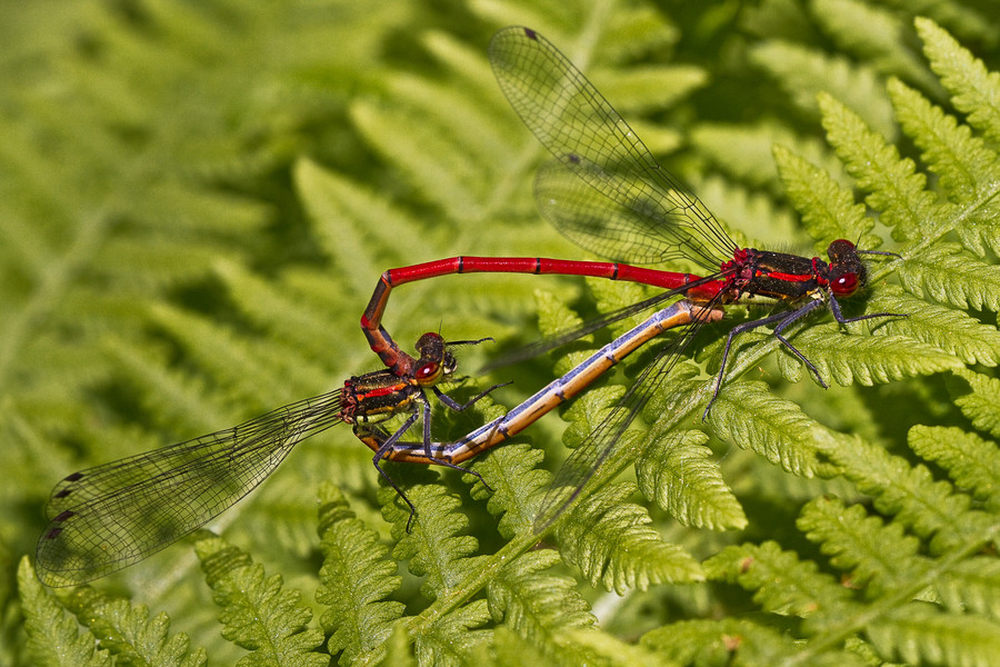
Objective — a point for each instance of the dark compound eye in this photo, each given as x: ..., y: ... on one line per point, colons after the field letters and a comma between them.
x: 844, y: 285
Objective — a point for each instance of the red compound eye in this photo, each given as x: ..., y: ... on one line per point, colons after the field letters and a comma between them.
x: 426, y: 371
x: 844, y: 285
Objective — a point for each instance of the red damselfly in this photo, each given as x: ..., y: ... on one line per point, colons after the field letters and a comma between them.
x: 111, y: 516
x: 607, y: 193
x: 584, y: 461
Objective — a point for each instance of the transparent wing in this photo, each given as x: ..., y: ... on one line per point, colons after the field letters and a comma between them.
x: 601, y: 443
x: 111, y: 516
x: 633, y: 209
x: 570, y: 334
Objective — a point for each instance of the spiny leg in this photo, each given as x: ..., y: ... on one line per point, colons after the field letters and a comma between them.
x: 784, y: 318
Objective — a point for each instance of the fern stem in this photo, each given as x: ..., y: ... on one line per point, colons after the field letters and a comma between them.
x: 833, y: 638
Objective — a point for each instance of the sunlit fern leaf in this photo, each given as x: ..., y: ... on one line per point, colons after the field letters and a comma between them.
x: 678, y: 473
x: 926, y: 507
x: 858, y: 545
x: 170, y: 159
x: 857, y: 358
x: 340, y: 208
x: 614, y: 546
x: 981, y: 405
x: 691, y: 642
x: 963, y: 162
x: 175, y: 398
x: 539, y: 606
x: 356, y: 579
x: 782, y: 583
x: 747, y: 153
x: 53, y: 636
x: 455, y: 638
x: 130, y: 635
x: 260, y: 372
x: 516, y: 483
x: 257, y: 612
x: 756, y: 219
x: 949, y: 274
x: 827, y: 208
x: 921, y: 633
x: 954, y: 331
x: 399, y: 651
x: 971, y: 462
x: 509, y: 648
x: 437, y: 546
x: 287, y: 314
x: 895, y: 189
x: 972, y: 585
x: 974, y: 90
x: 748, y: 414
x: 631, y: 89
x: 636, y: 30
x: 613, y: 650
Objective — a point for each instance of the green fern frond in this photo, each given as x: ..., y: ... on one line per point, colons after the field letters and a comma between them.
x: 286, y: 313
x: 746, y: 153
x: 696, y: 641
x: 537, y: 606
x: 678, y: 474
x: 130, y: 635
x: 862, y: 545
x: 866, y: 360
x: 196, y: 210
x: 52, y: 634
x: 971, y: 462
x: 611, y: 650
x: 926, y: 507
x: 963, y: 162
x: 782, y: 582
x: 634, y: 31
x: 949, y: 274
x: 981, y: 406
x: 771, y: 224
x: 921, y: 633
x: 953, y: 331
x: 631, y: 89
x: 975, y: 91
x: 355, y: 580
x: 258, y: 613
x: 827, y: 208
x: 972, y: 586
x: 437, y: 547
x: 614, y: 546
x: 454, y: 638
x: 398, y: 649
x: 749, y: 414
x: 339, y: 208
x: 512, y: 472
x: 895, y: 189
x: 259, y: 372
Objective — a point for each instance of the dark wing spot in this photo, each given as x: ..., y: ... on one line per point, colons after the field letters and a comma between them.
x: 64, y: 515
x: 530, y: 34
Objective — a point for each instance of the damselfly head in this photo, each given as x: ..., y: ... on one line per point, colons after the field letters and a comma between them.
x: 435, y: 361
x: 847, y: 272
